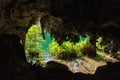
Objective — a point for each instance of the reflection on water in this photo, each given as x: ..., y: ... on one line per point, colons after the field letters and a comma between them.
x: 48, y: 58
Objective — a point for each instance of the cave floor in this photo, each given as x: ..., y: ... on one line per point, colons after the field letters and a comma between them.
x: 86, y: 65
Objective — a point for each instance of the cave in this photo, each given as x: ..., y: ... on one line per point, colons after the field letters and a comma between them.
x: 62, y: 18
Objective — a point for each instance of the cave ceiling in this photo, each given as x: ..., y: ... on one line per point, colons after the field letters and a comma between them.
x: 62, y: 18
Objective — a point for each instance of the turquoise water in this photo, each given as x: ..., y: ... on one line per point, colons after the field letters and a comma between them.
x: 45, y: 43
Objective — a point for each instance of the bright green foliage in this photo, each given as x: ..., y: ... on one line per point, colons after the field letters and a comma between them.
x: 99, y: 51
x: 33, y: 38
x: 68, y: 46
x: 68, y: 50
x: 98, y: 43
x: 84, y: 47
x: 55, y: 48
x: 99, y: 40
x: 80, y: 45
x: 64, y: 51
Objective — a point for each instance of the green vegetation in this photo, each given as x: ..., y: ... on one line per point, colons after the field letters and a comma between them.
x: 36, y: 46
x: 98, y: 43
x: 35, y: 41
x: 33, y: 38
x: 32, y: 46
x: 70, y: 51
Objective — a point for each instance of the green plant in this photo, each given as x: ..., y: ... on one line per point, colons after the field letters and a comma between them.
x: 68, y: 46
x: 98, y: 43
x: 55, y: 49
x: 80, y: 45
x: 65, y: 51
x: 68, y: 50
x: 32, y: 39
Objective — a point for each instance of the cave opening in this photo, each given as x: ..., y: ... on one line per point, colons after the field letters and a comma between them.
x: 40, y: 51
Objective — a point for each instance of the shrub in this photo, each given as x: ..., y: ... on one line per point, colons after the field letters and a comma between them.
x: 70, y: 51
x: 55, y: 49
x: 65, y: 51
